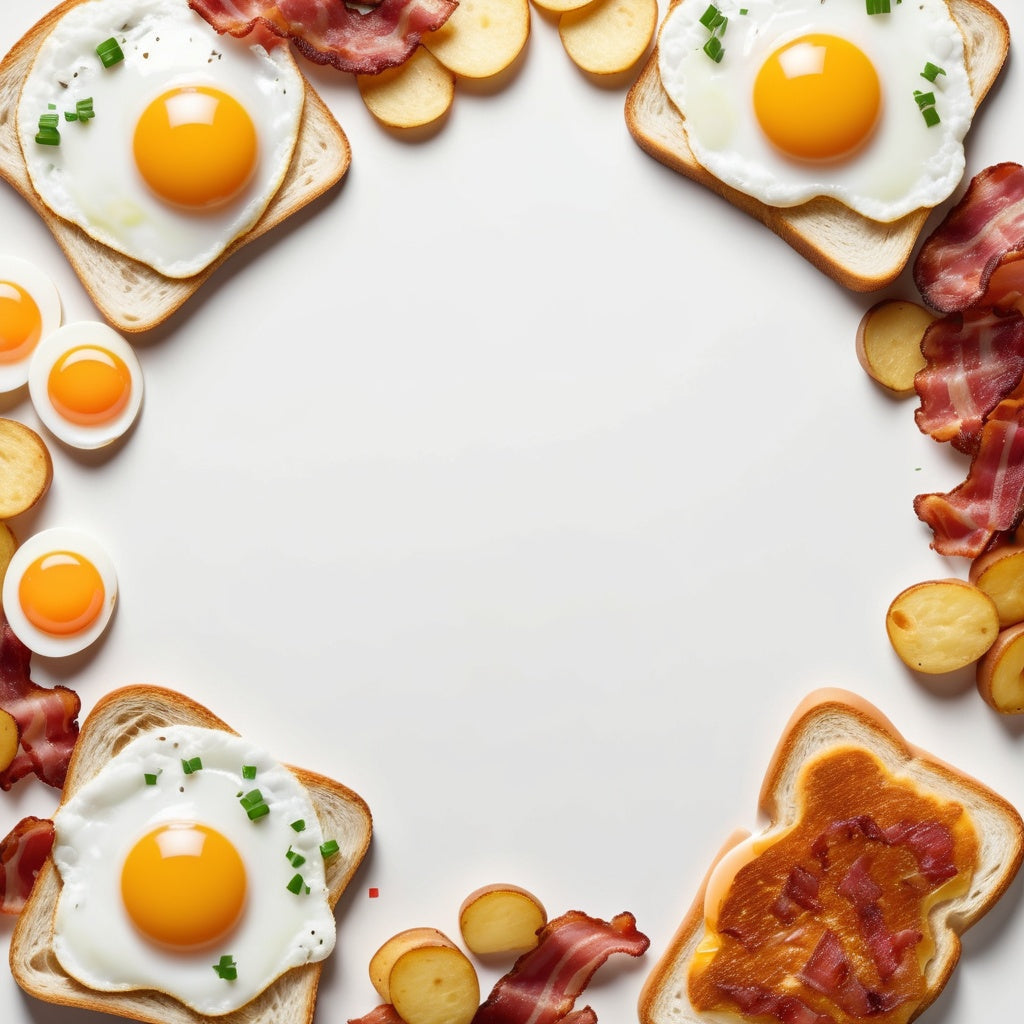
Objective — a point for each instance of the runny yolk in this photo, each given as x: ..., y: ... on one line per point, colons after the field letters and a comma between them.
x: 817, y: 98
x: 195, y: 147
x: 89, y: 385
x: 61, y: 593
x: 21, y: 323
x: 183, y: 885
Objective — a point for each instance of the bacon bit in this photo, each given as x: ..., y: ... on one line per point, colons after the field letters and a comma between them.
x: 957, y: 261
x: 328, y: 32
x: 830, y: 972
x: 758, y: 1001
x: 22, y: 853
x: 46, y: 717
x: 964, y: 521
x: 800, y: 892
x: 975, y: 359
x: 543, y: 984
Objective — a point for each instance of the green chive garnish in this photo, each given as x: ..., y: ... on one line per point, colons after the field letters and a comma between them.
x: 83, y: 108
x: 255, y: 806
x: 297, y: 885
x: 226, y: 968
x: 924, y: 99
x: 48, y: 134
x: 932, y: 71
x: 714, y: 49
x: 248, y: 771
x: 707, y: 19
x: 150, y: 778
x: 329, y: 849
x: 299, y: 826
x: 879, y: 7
x: 296, y: 858
x: 109, y: 52
x: 931, y: 116
x: 192, y: 764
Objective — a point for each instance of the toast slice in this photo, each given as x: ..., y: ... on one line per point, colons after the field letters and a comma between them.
x: 825, y: 721
x: 130, y: 294
x: 114, y: 722
x: 860, y: 254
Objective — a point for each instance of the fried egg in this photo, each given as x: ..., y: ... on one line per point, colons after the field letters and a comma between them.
x: 85, y: 382
x: 190, y: 864
x: 786, y: 101
x: 171, y: 152
x: 59, y: 591
x: 29, y: 311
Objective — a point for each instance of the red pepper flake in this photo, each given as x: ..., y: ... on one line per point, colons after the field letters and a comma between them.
x: 373, y: 892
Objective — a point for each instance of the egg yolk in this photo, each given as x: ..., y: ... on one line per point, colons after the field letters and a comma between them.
x: 61, y: 593
x: 817, y: 98
x: 195, y: 147
x: 183, y: 885
x: 21, y: 323
x: 89, y: 385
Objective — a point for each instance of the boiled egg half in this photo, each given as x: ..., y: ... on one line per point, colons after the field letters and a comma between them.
x: 29, y: 311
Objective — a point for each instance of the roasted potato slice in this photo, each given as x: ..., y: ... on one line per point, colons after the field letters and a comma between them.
x: 941, y: 625
x: 560, y: 6
x: 1000, y: 573
x: 9, y: 738
x: 501, y: 918
x: 889, y: 343
x: 608, y: 37
x: 7, y: 547
x: 26, y: 468
x: 414, y: 94
x: 1000, y: 672
x: 482, y: 37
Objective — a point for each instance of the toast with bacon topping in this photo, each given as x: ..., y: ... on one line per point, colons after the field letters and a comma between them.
x: 851, y: 903
x: 118, y: 718
x: 860, y: 254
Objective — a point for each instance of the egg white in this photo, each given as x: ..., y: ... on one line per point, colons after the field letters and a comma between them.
x: 905, y: 165
x: 57, y: 538
x: 91, y: 179
x: 97, y: 826
x: 43, y: 291
x: 50, y: 350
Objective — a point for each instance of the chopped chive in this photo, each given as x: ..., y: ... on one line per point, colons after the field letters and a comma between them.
x: 257, y: 812
x: 707, y: 19
x: 299, y: 825
x: 150, y: 778
x: 252, y: 798
x: 879, y: 6
x: 226, y: 968
x: 714, y: 49
x: 744, y: 10
x: 296, y: 858
x: 248, y: 771
x: 83, y: 108
x: 932, y: 71
x: 931, y: 116
x: 329, y: 849
x: 192, y: 764
x: 924, y: 99
x: 48, y: 134
x: 70, y: 115
x: 109, y: 52
x: 297, y: 885
x: 254, y: 804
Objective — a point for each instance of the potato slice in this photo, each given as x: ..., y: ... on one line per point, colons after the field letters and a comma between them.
x: 414, y: 94
x: 9, y: 739
x: 560, y: 6
x: 501, y: 918
x: 26, y: 468
x: 7, y: 547
x: 608, y: 37
x: 941, y: 625
x: 482, y: 37
x: 1000, y: 573
x: 384, y: 959
x: 1000, y: 672
x: 889, y: 343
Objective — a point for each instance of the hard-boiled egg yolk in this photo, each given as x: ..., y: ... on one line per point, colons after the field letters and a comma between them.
x: 89, y: 385
x: 817, y: 97
x: 61, y: 593
x: 195, y: 146
x: 183, y: 885
x: 21, y: 323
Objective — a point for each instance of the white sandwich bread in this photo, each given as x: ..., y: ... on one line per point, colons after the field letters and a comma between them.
x: 852, y: 901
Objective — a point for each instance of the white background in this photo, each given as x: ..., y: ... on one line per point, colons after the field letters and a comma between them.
x: 526, y: 488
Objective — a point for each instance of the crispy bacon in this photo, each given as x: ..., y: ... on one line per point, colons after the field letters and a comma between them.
x: 799, y: 892
x: 759, y: 1001
x: 22, y: 853
x: 975, y: 359
x: 965, y: 520
x: 47, y: 718
x: 328, y: 32
x: 830, y: 972
x: 383, y: 1014
x: 544, y: 983
x: 953, y: 268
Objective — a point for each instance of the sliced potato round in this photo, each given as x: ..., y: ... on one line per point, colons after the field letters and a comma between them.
x: 1000, y: 672
x: 560, y: 6
x: 889, y: 343
x: 501, y: 918
x: 9, y: 739
x: 608, y: 37
x: 941, y: 625
x: 26, y: 468
x: 1000, y: 573
x: 482, y: 37
x: 414, y: 94
x: 434, y: 985
x: 384, y: 959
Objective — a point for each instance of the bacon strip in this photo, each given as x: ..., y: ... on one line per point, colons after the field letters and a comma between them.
x: 975, y: 359
x: 328, y: 32
x: 383, y: 1014
x: 543, y: 984
x: 965, y: 520
x: 22, y: 853
x: 46, y: 717
x: 799, y: 892
x: 953, y: 268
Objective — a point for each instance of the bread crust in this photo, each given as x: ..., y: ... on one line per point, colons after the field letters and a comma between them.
x: 116, y: 719
x: 824, y: 719
x: 130, y: 294
x: 858, y: 253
